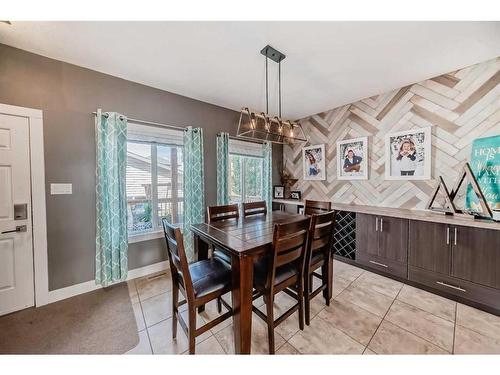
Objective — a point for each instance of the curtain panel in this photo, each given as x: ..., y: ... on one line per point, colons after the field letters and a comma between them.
x: 111, y: 199
x: 267, y: 149
x: 194, y: 185
x: 222, y: 168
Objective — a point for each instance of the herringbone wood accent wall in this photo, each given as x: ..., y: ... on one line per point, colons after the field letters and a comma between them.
x: 460, y: 106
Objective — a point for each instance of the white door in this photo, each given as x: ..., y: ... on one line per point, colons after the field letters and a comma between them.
x: 16, y: 249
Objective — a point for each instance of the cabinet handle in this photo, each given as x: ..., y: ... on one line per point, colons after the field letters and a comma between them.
x: 376, y: 224
x: 456, y: 232
x: 381, y: 224
x: 451, y: 286
x: 379, y: 264
x: 447, y: 235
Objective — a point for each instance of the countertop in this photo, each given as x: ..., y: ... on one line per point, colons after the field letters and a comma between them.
x: 423, y: 215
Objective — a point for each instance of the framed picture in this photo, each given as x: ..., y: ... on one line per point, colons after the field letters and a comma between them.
x: 352, y: 159
x: 295, y: 195
x: 313, y: 159
x: 278, y: 192
x: 408, y: 155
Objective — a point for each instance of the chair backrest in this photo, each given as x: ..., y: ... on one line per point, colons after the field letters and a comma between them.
x: 254, y: 208
x: 177, y: 258
x: 320, y: 234
x: 289, y: 245
x: 316, y: 207
x: 218, y: 213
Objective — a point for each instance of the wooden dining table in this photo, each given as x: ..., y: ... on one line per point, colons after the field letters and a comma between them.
x: 244, y: 240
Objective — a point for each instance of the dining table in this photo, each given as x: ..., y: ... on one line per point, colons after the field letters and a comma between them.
x: 245, y: 240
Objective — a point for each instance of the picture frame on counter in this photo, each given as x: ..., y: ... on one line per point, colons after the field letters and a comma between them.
x: 297, y: 195
x: 279, y: 192
x: 408, y: 155
x: 352, y: 159
x: 313, y: 159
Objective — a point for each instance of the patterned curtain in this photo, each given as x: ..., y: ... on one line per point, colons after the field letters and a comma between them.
x: 111, y: 199
x: 268, y: 176
x: 194, y: 186
x: 222, y: 168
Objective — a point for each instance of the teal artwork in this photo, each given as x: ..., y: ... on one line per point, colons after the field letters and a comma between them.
x: 485, y: 164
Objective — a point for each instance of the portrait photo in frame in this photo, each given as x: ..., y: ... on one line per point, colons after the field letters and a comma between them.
x: 352, y: 159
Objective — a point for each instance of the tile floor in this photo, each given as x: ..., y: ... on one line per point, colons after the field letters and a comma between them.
x: 369, y: 314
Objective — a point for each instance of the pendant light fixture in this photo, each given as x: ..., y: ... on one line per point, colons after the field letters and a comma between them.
x: 262, y: 126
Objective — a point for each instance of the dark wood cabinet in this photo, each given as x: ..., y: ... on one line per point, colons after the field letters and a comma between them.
x: 381, y: 243
x: 393, y: 238
x: 475, y: 255
x: 429, y: 246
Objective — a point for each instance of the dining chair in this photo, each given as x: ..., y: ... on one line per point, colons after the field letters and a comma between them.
x: 282, y: 269
x: 199, y: 282
x: 316, y: 207
x: 219, y: 213
x: 254, y: 208
x: 319, y: 254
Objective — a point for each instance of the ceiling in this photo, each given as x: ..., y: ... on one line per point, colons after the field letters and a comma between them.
x: 328, y: 64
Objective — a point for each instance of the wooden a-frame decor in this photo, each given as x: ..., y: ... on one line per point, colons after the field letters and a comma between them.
x: 449, y: 208
x: 485, y: 208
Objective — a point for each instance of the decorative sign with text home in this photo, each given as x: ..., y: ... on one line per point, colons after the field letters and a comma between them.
x: 485, y: 163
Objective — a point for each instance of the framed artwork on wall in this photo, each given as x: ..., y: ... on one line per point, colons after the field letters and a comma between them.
x: 313, y: 159
x: 352, y: 159
x: 408, y: 155
x: 278, y: 192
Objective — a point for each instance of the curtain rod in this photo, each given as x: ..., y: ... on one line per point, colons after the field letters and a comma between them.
x: 157, y: 124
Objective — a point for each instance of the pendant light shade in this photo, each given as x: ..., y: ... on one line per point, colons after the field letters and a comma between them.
x: 273, y: 129
x: 262, y: 126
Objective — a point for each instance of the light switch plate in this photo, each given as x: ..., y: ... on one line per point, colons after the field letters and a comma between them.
x: 56, y: 189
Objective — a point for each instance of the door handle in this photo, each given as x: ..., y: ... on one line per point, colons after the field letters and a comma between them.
x: 379, y: 264
x: 376, y: 224
x: 447, y: 235
x: 456, y: 232
x: 381, y: 224
x: 451, y: 286
x: 19, y: 228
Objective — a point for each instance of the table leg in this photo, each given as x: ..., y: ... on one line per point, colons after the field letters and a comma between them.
x: 242, y: 268
x: 201, y: 253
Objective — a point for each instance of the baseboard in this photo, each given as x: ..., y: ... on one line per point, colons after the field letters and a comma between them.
x: 89, y: 286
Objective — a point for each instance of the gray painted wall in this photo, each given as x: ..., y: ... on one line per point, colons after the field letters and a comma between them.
x: 68, y: 95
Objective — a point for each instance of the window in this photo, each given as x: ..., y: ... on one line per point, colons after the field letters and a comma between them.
x: 155, y: 174
x: 246, y: 166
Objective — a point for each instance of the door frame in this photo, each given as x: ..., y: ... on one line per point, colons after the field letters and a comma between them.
x: 38, y: 214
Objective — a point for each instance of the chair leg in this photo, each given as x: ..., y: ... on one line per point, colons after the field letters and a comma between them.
x: 300, y: 296
x: 192, y: 329
x: 311, y: 280
x: 327, y: 271
x: 270, y: 322
x: 307, y: 301
x: 175, y: 308
x: 219, y: 305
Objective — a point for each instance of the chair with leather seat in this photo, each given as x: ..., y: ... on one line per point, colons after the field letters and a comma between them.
x: 199, y: 282
x: 316, y: 207
x: 254, y: 208
x: 282, y: 269
x: 319, y: 254
x: 220, y: 213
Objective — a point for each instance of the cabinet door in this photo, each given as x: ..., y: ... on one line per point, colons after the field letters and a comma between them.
x: 393, y: 238
x: 366, y: 235
x: 429, y: 246
x: 476, y: 255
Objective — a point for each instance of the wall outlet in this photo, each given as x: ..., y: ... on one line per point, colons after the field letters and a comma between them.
x: 56, y: 189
